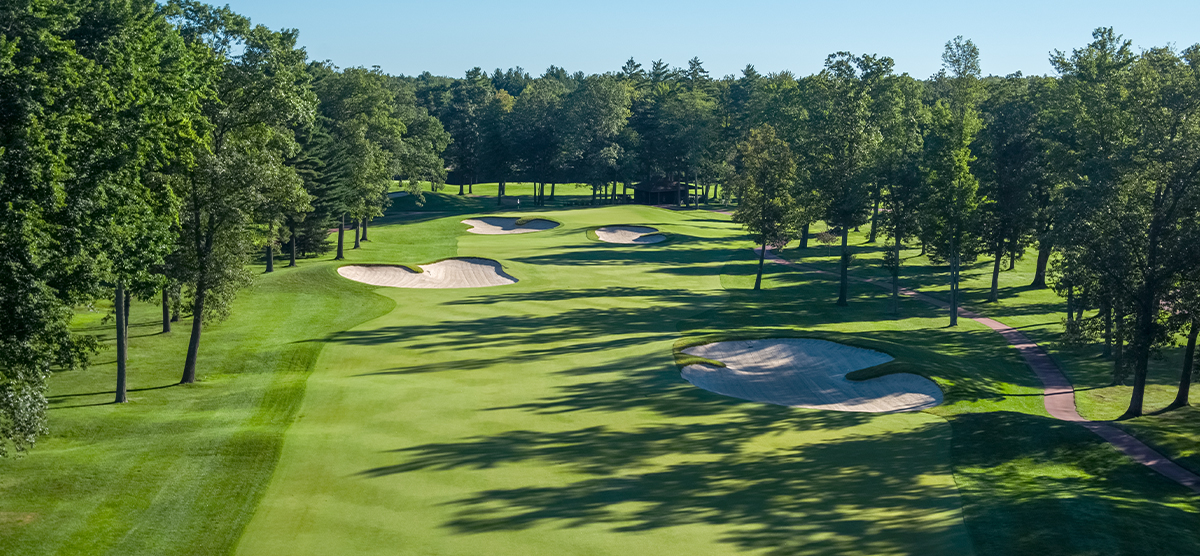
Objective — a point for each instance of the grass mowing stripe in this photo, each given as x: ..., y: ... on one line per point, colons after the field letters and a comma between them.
x: 179, y: 469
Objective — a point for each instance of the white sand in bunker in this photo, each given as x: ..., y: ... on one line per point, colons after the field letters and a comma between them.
x: 493, y: 225
x: 809, y: 373
x: 629, y: 234
x: 450, y: 273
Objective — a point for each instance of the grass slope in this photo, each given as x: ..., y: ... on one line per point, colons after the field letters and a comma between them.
x: 178, y: 470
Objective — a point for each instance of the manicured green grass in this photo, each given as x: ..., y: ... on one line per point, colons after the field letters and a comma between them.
x: 178, y: 469
x: 549, y: 417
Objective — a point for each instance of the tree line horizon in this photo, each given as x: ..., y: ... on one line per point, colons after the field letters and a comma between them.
x: 156, y: 151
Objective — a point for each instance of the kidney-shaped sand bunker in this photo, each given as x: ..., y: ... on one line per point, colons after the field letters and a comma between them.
x: 451, y: 273
x: 629, y: 234
x: 495, y: 225
x: 810, y: 373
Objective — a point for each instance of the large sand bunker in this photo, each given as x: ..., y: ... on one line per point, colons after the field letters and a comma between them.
x: 450, y: 273
x: 493, y: 225
x: 807, y: 373
x: 629, y: 234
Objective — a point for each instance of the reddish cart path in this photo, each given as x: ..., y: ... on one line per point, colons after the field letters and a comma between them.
x: 1059, y: 395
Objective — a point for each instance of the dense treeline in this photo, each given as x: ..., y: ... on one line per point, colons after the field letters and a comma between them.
x: 152, y: 150
x: 1096, y: 168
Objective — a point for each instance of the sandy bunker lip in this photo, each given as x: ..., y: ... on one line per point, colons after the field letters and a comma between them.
x: 466, y: 272
x: 629, y: 234
x: 495, y: 225
x: 799, y: 372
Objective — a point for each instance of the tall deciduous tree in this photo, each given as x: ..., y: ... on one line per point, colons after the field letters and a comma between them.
x: 262, y: 92
x: 899, y: 171
x: 596, y: 113
x: 359, y: 106
x: 95, y: 98
x: 1011, y: 168
x: 1152, y: 206
x: 763, y: 179
x: 843, y: 143
x: 537, y: 132
x: 463, y: 119
x: 951, y: 212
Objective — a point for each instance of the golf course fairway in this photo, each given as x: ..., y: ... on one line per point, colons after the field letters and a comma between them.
x: 548, y: 417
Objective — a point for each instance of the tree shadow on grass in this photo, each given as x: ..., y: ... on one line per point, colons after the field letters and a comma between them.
x: 682, y: 255
x: 860, y: 494
x: 1032, y: 485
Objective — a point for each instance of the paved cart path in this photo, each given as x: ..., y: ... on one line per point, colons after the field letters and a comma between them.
x: 1059, y: 396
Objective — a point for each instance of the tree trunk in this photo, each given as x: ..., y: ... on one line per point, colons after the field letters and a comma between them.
x: 122, y: 339
x: 1012, y: 254
x: 995, y: 295
x: 1082, y: 304
x: 1070, y: 305
x: 365, y: 222
x: 270, y: 247
x: 500, y: 194
x: 844, y: 283
x: 1039, y: 276
x: 552, y: 190
x: 1143, y: 334
x: 896, y: 281
x: 762, y: 257
x: 189, y: 365
x: 293, y: 254
x: 166, y: 303
x: 460, y: 189
x: 1185, y: 377
x: 874, y: 220
x: 954, y: 265
x: 357, y: 230
x: 341, y: 242
x: 471, y: 187
x: 1108, y: 339
x: 1119, y: 352
x: 804, y: 236
x: 175, y: 297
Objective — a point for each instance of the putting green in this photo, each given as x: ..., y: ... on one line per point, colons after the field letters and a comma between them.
x: 548, y: 417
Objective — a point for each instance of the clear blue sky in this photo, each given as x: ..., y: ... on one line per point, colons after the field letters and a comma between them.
x: 447, y: 37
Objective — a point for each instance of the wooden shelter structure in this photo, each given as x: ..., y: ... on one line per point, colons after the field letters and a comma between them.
x: 660, y: 191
